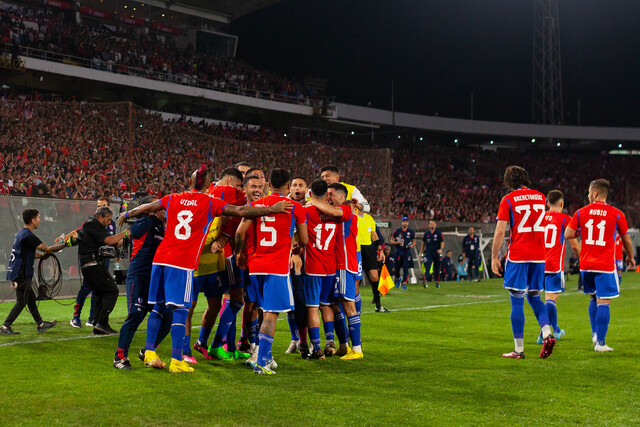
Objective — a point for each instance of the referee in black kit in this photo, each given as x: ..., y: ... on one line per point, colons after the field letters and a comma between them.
x: 20, y: 272
x: 92, y: 237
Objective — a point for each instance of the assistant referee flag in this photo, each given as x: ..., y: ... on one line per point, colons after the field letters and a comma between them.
x: 386, y: 283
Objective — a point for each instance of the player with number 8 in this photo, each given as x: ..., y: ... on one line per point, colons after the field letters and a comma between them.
x: 189, y: 216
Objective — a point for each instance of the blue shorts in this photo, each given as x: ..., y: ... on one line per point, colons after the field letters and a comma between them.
x: 231, y: 277
x: 170, y: 285
x: 346, y: 284
x: 619, y: 265
x: 554, y: 282
x: 524, y: 276
x: 602, y: 285
x: 359, y: 256
x: 319, y: 290
x: 209, y: 285
x: 274, y: 293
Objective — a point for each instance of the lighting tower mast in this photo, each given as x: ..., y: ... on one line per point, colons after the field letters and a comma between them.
x: 547, y: 70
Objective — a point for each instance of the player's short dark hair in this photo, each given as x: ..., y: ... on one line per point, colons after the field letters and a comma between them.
x: 555, y: 196
x: 248, y: 178
x: 339, y: 187
x: 254, y: 169
x: 245, y: 164
x: 102, y: 212
x: 330, y: 168
x: 148, y: 199
x: 601, y: 185
x: 279, y: 177
x: 516, y: 177
x: 232, y: 172
x: 300, y: 177
x: 319, y: 188
x: 104, y: 199
x: 29, y: 215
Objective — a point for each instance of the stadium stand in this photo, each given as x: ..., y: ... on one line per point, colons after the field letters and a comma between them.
x: 49, y: 36
x: 81, y: 157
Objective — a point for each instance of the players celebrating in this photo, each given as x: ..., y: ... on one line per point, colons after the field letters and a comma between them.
x: 189, y: 216
x: 269, y: 264
x: 523, y: 209
x: 599, y: 224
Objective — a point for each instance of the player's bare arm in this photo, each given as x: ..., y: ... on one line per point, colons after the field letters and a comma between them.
x: 218, y: 245
x: 240, y: 242
x: 498, y: 238
x: 139, y: 211
x: 575, y: 246
x: 570, y: 233
x: 376, y: 238
x: 628, y: 247
x: 303, y: 235
x: 326, y: 208
x: 256, y: 211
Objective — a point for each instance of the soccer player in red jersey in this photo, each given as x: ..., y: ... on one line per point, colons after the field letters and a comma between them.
x: 320, y: 264
x: 269, y: 265
x: 555, y: 222
x: 523, y: 209
x: 189, y: 216
x: 599, y: 224
x: 347, y: 270
x: 211, y: 275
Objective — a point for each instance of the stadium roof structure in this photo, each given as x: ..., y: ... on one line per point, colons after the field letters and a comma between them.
x: 232, y: 8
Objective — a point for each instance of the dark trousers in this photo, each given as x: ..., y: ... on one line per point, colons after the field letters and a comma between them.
x: 472, y: 266
x: 300, y: 311
x: 104, y: 290
x: 137, y: 293
x: 83, y: 293
x: 434, y: 259
x: 25, y: 297
x: 404, y: 261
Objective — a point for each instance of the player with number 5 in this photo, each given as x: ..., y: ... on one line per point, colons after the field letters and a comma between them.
x: 189, y: 216
x: 599, y: 224
x: 523, y: 209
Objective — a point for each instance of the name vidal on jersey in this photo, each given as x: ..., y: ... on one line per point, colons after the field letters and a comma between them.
x: 189, y: 202
x: 527, y: 197
x: 598, y: 212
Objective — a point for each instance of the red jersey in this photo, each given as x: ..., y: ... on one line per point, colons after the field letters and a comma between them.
x: 555, y: 223
x: 346, y: 246
x: 233, y: 196
x: 320, y: 253
x: 524, y: 210
x: 599, y: 224
x: 619, y: 256
x: 189, y: 216
x: 272, y: 236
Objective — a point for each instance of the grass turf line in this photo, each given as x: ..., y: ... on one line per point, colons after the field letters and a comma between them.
x: 440, y: 365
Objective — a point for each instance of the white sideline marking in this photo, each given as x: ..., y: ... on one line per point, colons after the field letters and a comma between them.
x: 427, y: 307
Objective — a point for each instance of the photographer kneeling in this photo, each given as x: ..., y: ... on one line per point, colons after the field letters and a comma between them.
x: 92, y: 238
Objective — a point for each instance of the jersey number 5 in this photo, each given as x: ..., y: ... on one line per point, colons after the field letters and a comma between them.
x: 525, y: 211
x: 264, y: 228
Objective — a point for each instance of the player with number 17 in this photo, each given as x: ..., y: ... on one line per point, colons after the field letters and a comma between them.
x: 189, y: 216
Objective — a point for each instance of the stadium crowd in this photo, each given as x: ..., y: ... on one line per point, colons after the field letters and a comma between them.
x: 152, y: 55
x: 81, y: 158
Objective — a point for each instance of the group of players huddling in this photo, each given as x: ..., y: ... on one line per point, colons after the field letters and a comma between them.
x: 246, y: 237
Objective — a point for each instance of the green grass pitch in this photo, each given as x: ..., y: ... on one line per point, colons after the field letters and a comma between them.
x: 435, y: 360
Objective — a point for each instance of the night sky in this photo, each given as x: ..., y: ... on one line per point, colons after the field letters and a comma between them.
x: 440, y: 51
